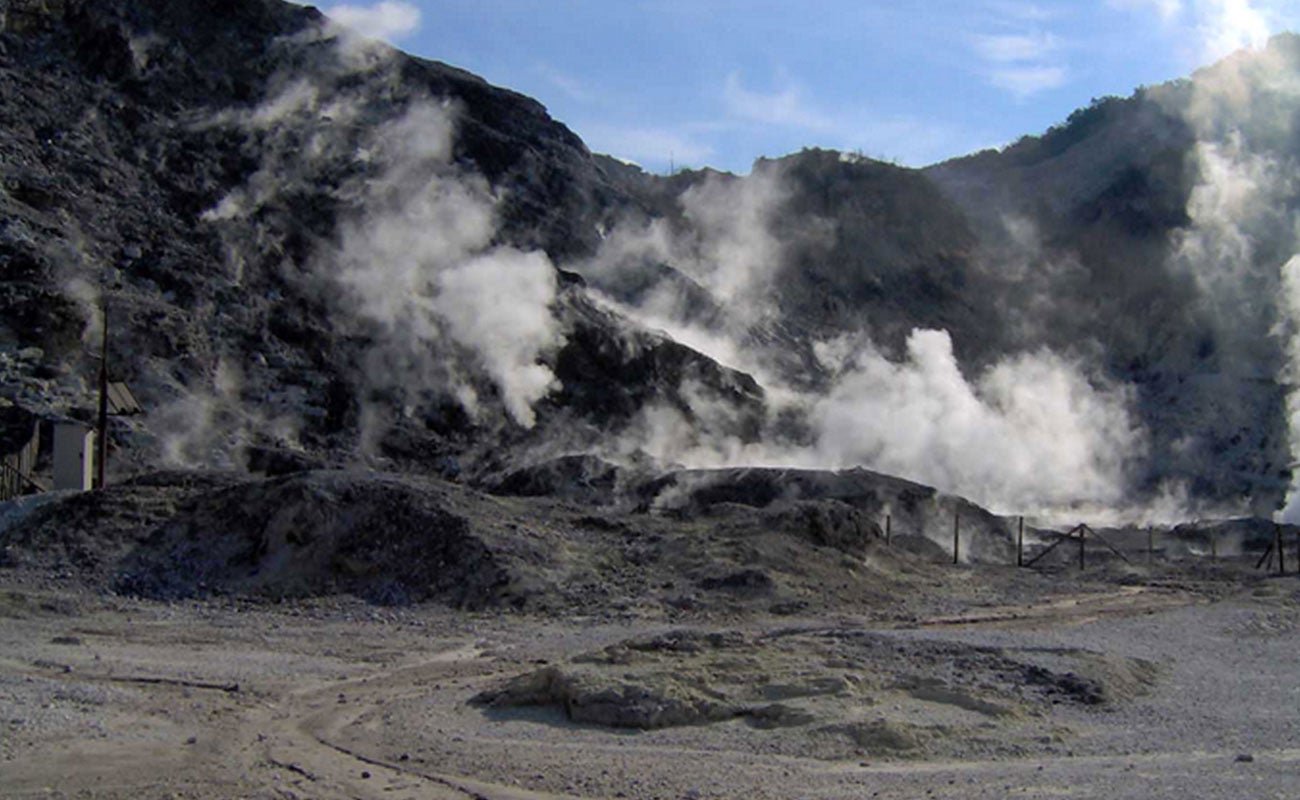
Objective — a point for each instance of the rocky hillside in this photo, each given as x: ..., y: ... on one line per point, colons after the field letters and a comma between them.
x: 314, y: 250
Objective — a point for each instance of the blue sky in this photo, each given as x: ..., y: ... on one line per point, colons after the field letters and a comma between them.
x: 691, y: 83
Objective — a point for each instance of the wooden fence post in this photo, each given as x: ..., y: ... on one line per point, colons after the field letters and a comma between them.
x: 1020, y: 544
x: 1214, y: 545
x: 889, y: 529
x: 1267, y: 558
x: 1151, y: 545
x: 1083, y: 540
x: 1281, y: 551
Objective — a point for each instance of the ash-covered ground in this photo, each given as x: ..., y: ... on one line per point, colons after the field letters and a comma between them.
x: 333, y: 634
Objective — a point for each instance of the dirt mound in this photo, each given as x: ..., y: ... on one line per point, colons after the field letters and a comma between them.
x: 843, y: 509
x: 828, y: 523
x: 397, y: 539
x: 89, y: 533
x: 388, y: 539
x: 599, y: 699
x: 581, y: 478
x: 379, y: 537
x: 848, y: 691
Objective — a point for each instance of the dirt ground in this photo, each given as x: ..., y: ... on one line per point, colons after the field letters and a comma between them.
x: 1172, y: 686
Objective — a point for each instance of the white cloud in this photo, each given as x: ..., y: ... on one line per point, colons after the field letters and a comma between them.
x: 902, y: 138
x: 1024, y: 82
x: 1024, y: 62
x: 1016, y: 47
x: 389, y: 20
x: 1022, y: 11
x: 786, y: 106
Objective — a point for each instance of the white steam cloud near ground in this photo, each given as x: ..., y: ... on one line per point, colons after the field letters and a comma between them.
x: 1031, y: 432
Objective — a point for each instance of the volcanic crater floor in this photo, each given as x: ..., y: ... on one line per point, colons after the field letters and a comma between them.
x: 1091, y: 685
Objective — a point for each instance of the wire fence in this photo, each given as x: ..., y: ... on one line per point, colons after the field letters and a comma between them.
x: 1241, y: 540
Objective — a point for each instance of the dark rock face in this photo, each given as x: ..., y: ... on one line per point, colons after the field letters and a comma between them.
x: 126, y: 127
x: 901, y: 258
x: 1115, y: 267
x: 193, y: 168
x: 647, y: 369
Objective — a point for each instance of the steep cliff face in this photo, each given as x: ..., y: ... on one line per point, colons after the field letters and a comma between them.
x: 1154, y: 231
x: 211, y: 174
x: 311, y: 244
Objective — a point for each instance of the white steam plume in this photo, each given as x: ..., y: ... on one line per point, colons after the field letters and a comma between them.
x: 1290, y: 302
x: 441, y: 310
x: 726, y: 247
x: 388, y: 19
x: 498, y: 304
x: 736, y: 257
x: 419, y: 260
x: 1029, y: 433
x: 1245, y: 229
x: 213, y: 426
x: 1237, y: 209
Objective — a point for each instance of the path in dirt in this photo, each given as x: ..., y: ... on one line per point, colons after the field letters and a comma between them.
x: 137, y: 700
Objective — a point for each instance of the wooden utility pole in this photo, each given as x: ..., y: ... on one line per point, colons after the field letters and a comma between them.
x: 1151, y: 544
x: 1020, y: 544
x: 1281, y: 551
x: 1083, y: 540
x: 956, y: 537
x: 101, y: 443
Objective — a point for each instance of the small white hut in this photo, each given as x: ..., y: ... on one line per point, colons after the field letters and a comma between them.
x: 74, y: 457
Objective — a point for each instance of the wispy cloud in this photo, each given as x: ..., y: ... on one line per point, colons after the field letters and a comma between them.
x: 791, y: 106
x: 1026, y: 81
x: 389, y: 20
x: 1025, y: 61
x: 785, y: 106
x: 1019, y: 47
x: 1019, y: 10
